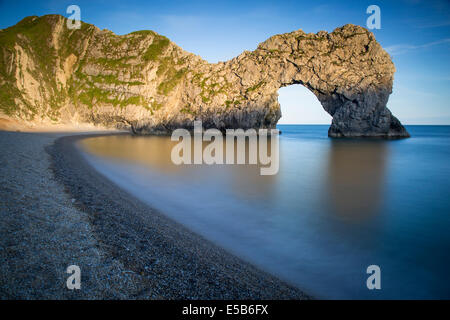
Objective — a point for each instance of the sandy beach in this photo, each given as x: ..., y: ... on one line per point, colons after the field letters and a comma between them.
x: 56, y: 211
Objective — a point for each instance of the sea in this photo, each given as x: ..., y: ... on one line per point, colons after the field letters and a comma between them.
x: 341, y: 219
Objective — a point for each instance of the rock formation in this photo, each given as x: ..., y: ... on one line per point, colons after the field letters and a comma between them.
x: 143, y: 81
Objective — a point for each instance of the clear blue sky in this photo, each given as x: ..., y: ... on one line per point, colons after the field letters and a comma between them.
x: 416, y: 33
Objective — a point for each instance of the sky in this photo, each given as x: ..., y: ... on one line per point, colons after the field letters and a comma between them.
x: 416, y: 34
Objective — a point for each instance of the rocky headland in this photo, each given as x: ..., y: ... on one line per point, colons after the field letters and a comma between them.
x: 50, y: 74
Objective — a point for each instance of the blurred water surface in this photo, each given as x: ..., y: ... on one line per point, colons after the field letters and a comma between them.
x: 334, y: 208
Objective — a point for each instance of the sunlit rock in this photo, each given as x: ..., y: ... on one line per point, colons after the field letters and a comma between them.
x: 143, y: 81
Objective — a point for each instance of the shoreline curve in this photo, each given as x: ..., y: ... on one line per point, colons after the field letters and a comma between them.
x: 169, y: 261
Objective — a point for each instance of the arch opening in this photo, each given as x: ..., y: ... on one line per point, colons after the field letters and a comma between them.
x: 300, y: 106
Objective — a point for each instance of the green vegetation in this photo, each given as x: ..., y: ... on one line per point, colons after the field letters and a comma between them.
x: 275, y: 51
x: 165, y: 64
x: 154, y: 106
x: 354, y: 35
x: 144, y: 33
x: 187, y: 110
x: 112, y: 79
x: 255, y: 87
x: 170, y: 74
x: 209, y: 87
x: 113, y: 63
x: 7, y: 94
x: 93, y: 95
x: 72, y: 42
x: 173, y: 77
x: 229, y: 103
x: 32, y: 34
x: 306, y: 37
x: 85, y: 89
x: 156, y: 48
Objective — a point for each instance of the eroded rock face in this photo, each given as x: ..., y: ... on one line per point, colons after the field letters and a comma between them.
x: 142, y: 80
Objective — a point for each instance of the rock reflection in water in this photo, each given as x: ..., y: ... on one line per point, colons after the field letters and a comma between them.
x: 150, y: 151
x: 356, y: 173
x: 244, y: 180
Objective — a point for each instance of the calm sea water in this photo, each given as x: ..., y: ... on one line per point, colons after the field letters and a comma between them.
x: 334, y: 208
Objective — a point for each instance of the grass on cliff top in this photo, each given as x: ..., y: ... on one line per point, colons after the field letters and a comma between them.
x: 156, y: 48
x: 31, y: 33
x: 32, y: 27
x: 144, y: 32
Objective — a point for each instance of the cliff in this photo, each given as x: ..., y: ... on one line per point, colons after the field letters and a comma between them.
x: 143, y: 81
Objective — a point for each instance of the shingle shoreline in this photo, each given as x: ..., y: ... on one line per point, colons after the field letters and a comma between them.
x: 163, y: 259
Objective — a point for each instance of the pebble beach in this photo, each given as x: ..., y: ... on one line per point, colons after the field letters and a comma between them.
x: 58, y: 211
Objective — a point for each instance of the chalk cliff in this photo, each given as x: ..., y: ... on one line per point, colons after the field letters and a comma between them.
x: 145, y: 82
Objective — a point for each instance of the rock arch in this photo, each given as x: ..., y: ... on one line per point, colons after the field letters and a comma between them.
x: 347, y: 70
x: 144, y: 81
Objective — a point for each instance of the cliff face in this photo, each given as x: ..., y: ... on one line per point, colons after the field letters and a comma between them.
x: 49, y: 73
